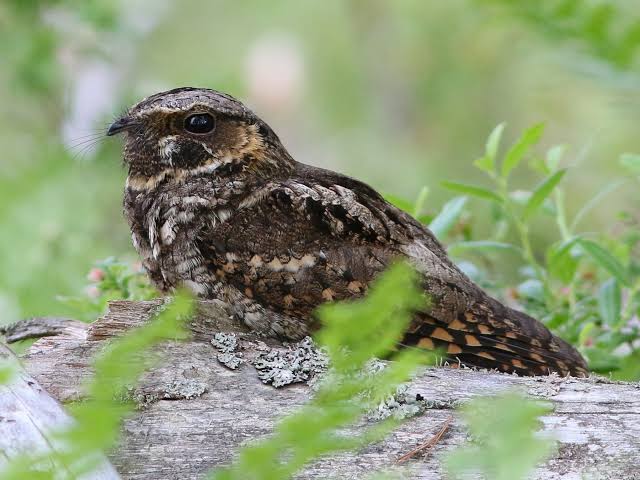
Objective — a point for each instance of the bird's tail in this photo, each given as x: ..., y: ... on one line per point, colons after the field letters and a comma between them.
x: 491, y: 335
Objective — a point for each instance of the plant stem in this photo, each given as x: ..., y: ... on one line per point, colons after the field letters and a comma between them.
x: 565, y: 233
x: 523, y: 232
x: 561, y: 216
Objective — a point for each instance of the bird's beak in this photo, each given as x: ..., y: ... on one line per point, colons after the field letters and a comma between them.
x: 120, y: 125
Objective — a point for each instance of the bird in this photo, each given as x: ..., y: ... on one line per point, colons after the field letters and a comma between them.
x: 217, y: 205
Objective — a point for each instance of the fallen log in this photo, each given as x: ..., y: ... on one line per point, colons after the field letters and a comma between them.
x: 28, y: 417
x: 214, y: 393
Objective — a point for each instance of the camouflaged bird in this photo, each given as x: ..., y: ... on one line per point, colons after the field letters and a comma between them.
x: 217, y: 204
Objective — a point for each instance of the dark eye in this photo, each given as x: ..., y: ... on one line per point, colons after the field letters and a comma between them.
x: 199, y: 123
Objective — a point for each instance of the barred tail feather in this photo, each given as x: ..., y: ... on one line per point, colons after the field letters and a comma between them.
x: 497, y: 337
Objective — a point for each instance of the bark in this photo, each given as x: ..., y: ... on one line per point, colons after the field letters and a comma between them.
x: 28, y: 415
x: 204, y: 400
x: 38, y: 327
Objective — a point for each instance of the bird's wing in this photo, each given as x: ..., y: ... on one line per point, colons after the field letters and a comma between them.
x: 295, y: 244
x: 319, y: 236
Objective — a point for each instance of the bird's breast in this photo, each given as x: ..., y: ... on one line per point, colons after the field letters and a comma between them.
x: 165, y: 224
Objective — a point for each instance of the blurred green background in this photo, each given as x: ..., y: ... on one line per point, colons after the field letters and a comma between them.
x: 401, y: 94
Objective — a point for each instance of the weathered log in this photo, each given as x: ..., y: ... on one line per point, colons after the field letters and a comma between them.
x: 39, y: 327
x: 28, y: 417
x: 203, y: 401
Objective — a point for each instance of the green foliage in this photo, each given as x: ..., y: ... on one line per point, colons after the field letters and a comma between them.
x: 587, y: 286
x: 57, y: 209
x: 540, y: 194
x: 610, y: 302
x: 61, y: 208
x: 504, y: 445
x: 631, y: 162
x: 421, y: 199
x: 472, y: 190
x: 34, y: 63
x: 8, y: 368
x: 353, y: 334
x: 97, y: 420
x: 606, y: 260
x: 117, y: 368
x: 450, y: 214
x: 603, y: 29
x: 109, y: 280
x: 519, y: 150
x: 59, y: 213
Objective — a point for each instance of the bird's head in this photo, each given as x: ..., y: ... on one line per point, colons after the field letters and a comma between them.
x: 195, y: 129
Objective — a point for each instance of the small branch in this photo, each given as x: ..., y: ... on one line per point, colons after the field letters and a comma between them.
x: 428, y: 444
x: 39, y: 327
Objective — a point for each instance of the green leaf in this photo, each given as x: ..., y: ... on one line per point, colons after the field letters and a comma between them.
x: 604, y: 362
x: 520, y: 197
x: 504, y: 444
x: 418, y: 206
x: 556, y: 319
x: 487, y: 162
x: 532, y: 289
x: 393, y: 292
x: 482, y: 246
x: 586, y: 332
x: 448, y: 216
x: 554, y: 155
x: 402, y: 203
x: 610, y: 302
x: 560, y: 262
x: 518, y: 151
x: 607, y: 261
x: 631, y: 161
x: 493, y: 142
x: 541, y: 192
x: 628, y: 367
x: 474, y: 190
x: 8, y: 370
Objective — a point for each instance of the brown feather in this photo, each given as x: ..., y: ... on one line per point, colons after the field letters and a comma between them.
x: 229, y: 214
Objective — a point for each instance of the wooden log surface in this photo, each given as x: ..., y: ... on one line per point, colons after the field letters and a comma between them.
x: 28, y: 416
x: 207, y: 397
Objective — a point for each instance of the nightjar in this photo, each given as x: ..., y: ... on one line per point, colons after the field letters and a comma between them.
x: 216, y: 203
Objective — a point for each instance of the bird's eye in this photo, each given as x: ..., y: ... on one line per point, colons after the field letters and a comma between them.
x: 199, y: 123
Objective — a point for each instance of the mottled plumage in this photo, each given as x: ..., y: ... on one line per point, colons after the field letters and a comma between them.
x: 217, y: 204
